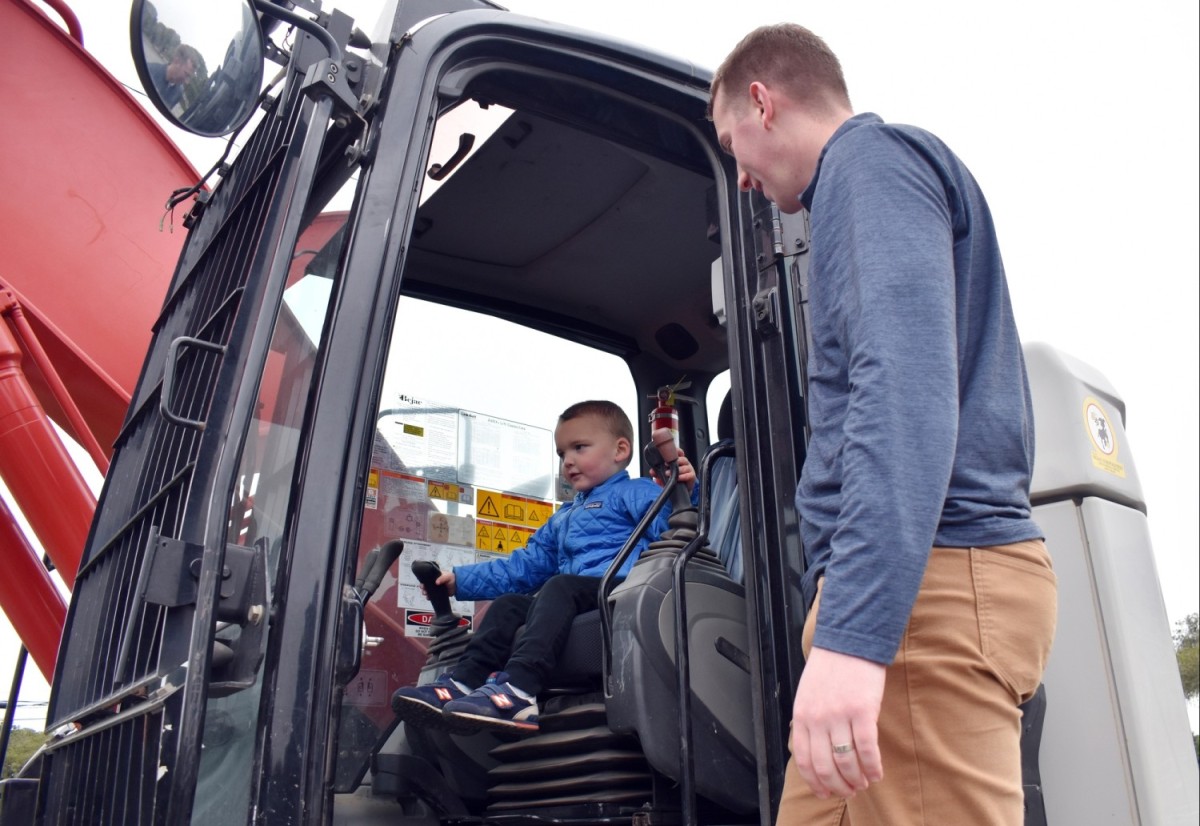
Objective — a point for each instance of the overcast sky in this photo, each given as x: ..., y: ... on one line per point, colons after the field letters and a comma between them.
x: 1079, y: 119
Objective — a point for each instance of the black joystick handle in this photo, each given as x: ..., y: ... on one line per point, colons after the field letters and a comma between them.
x: 377, y: 563
x: 663, y: 442
x: 427, y: 573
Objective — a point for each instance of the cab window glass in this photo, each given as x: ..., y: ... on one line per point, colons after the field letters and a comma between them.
x: 463, y: 469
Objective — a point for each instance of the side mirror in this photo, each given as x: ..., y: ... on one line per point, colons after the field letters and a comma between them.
x: 201, y: 64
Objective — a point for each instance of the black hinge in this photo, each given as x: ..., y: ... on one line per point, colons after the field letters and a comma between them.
x: 768, y: 237
x: 170, y: 577
x: 175, y: 573
x: 766, y: 311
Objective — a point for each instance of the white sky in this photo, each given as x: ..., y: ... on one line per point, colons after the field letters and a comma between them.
x: 1080, y: 121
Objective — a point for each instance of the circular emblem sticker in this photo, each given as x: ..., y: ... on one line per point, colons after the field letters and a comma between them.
x: 1103, y: 437
x: 1100, y: 429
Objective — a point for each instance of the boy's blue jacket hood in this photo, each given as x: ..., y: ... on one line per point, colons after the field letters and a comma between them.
x: 582, y: 538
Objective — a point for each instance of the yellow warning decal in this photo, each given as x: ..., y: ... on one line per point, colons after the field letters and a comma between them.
x: 498, y: 538
x: 514, y: 510
x: 450, y: 492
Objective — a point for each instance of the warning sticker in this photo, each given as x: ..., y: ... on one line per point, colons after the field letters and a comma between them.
x: 498, y: 538
x: 372, y: 500
x: 420, y: 623
x: 515, y: 510
x: 450, y: 492
x: 1105, y: 451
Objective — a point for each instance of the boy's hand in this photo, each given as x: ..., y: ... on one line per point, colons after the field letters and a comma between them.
x: 687, y: 473
x: 447, y: 579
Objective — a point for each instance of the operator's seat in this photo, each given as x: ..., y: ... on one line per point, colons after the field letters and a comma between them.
x: 598, y: 750
x: 644, y: 673
x: 579, y: 665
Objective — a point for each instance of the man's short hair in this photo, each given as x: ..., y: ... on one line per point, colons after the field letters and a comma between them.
x: 613, y: 416
x: 185, y: 52
x: 789, y: 57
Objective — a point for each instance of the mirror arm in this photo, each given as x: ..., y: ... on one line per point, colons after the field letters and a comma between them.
x: 302, y: 23
x: 326, y: 76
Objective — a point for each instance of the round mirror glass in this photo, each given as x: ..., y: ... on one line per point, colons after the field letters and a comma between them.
x: 200, y: 63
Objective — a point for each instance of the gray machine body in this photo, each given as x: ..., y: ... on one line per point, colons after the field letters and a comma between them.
x: 1117, y: 746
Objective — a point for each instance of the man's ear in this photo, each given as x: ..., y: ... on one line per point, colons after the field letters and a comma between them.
x: 764, y: 103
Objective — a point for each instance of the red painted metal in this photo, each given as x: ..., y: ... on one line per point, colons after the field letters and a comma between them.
x: 68, y: 16
x: 39, y: 472
x: 28, y: 342
x: 84, y: 177
x: 84, y: 172
x: 35, y: 607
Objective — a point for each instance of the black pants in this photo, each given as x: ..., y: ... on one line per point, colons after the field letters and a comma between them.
x: 547, y: 617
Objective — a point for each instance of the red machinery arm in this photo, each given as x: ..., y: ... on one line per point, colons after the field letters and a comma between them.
x: 35, y: 607
x: 39, y: 472
x: 84, y: 274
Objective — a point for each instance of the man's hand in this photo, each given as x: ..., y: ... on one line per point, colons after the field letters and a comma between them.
x: 837, y: 704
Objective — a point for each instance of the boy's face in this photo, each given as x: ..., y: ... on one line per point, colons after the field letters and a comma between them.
x: 590, y: 453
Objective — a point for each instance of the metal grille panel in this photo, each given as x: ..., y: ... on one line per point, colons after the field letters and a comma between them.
x: 151, y: 476
x: 86, y: 797
x: 128, y: 645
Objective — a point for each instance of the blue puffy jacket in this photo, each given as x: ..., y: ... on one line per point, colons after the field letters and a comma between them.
x: 582, y: 538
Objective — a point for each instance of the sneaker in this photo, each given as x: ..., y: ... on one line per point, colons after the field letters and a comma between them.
x: 422, y: 705
x: 495, y: 705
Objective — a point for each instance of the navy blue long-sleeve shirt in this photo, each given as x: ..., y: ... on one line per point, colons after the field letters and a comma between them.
x: 922, y: 427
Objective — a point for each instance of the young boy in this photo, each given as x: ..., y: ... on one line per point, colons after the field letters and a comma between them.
x: 562, y: 563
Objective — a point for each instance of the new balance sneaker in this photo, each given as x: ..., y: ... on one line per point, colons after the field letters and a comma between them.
x: 495, y: 705
x: 422, y: 705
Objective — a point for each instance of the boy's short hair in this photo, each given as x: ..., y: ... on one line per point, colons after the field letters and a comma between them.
x: 788, y: 56
x: 610, y: 413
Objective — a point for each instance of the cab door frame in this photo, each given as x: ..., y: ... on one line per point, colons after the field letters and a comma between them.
x: 301, y: 704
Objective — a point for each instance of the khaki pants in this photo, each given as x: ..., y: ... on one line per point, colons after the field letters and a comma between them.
x: 949, y: 728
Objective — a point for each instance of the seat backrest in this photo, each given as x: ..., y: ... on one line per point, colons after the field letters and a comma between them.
x: 725, y: 520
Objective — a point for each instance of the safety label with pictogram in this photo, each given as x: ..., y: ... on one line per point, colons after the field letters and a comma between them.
x: 450, y: 492
x: 512, y: 509
x: 499, y: 538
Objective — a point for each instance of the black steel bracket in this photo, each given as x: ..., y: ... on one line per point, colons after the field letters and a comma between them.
x: 766, y: 311
x: 170, y: 578
x: 175, y: 573
x: 329, y: 77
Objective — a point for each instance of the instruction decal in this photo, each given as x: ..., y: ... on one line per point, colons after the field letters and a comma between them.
x: 418, y: 613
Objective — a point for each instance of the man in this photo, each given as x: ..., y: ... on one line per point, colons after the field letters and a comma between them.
x: 932, y: 599
x: 170, y: 79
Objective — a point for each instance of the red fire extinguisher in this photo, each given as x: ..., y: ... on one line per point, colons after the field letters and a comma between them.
x: 666, y: 415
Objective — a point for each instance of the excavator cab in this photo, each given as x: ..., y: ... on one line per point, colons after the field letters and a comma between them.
x: 433, y: 238
x: 429, y: 233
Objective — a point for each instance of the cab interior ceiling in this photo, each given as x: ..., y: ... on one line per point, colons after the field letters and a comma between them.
x: 597, y: 240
